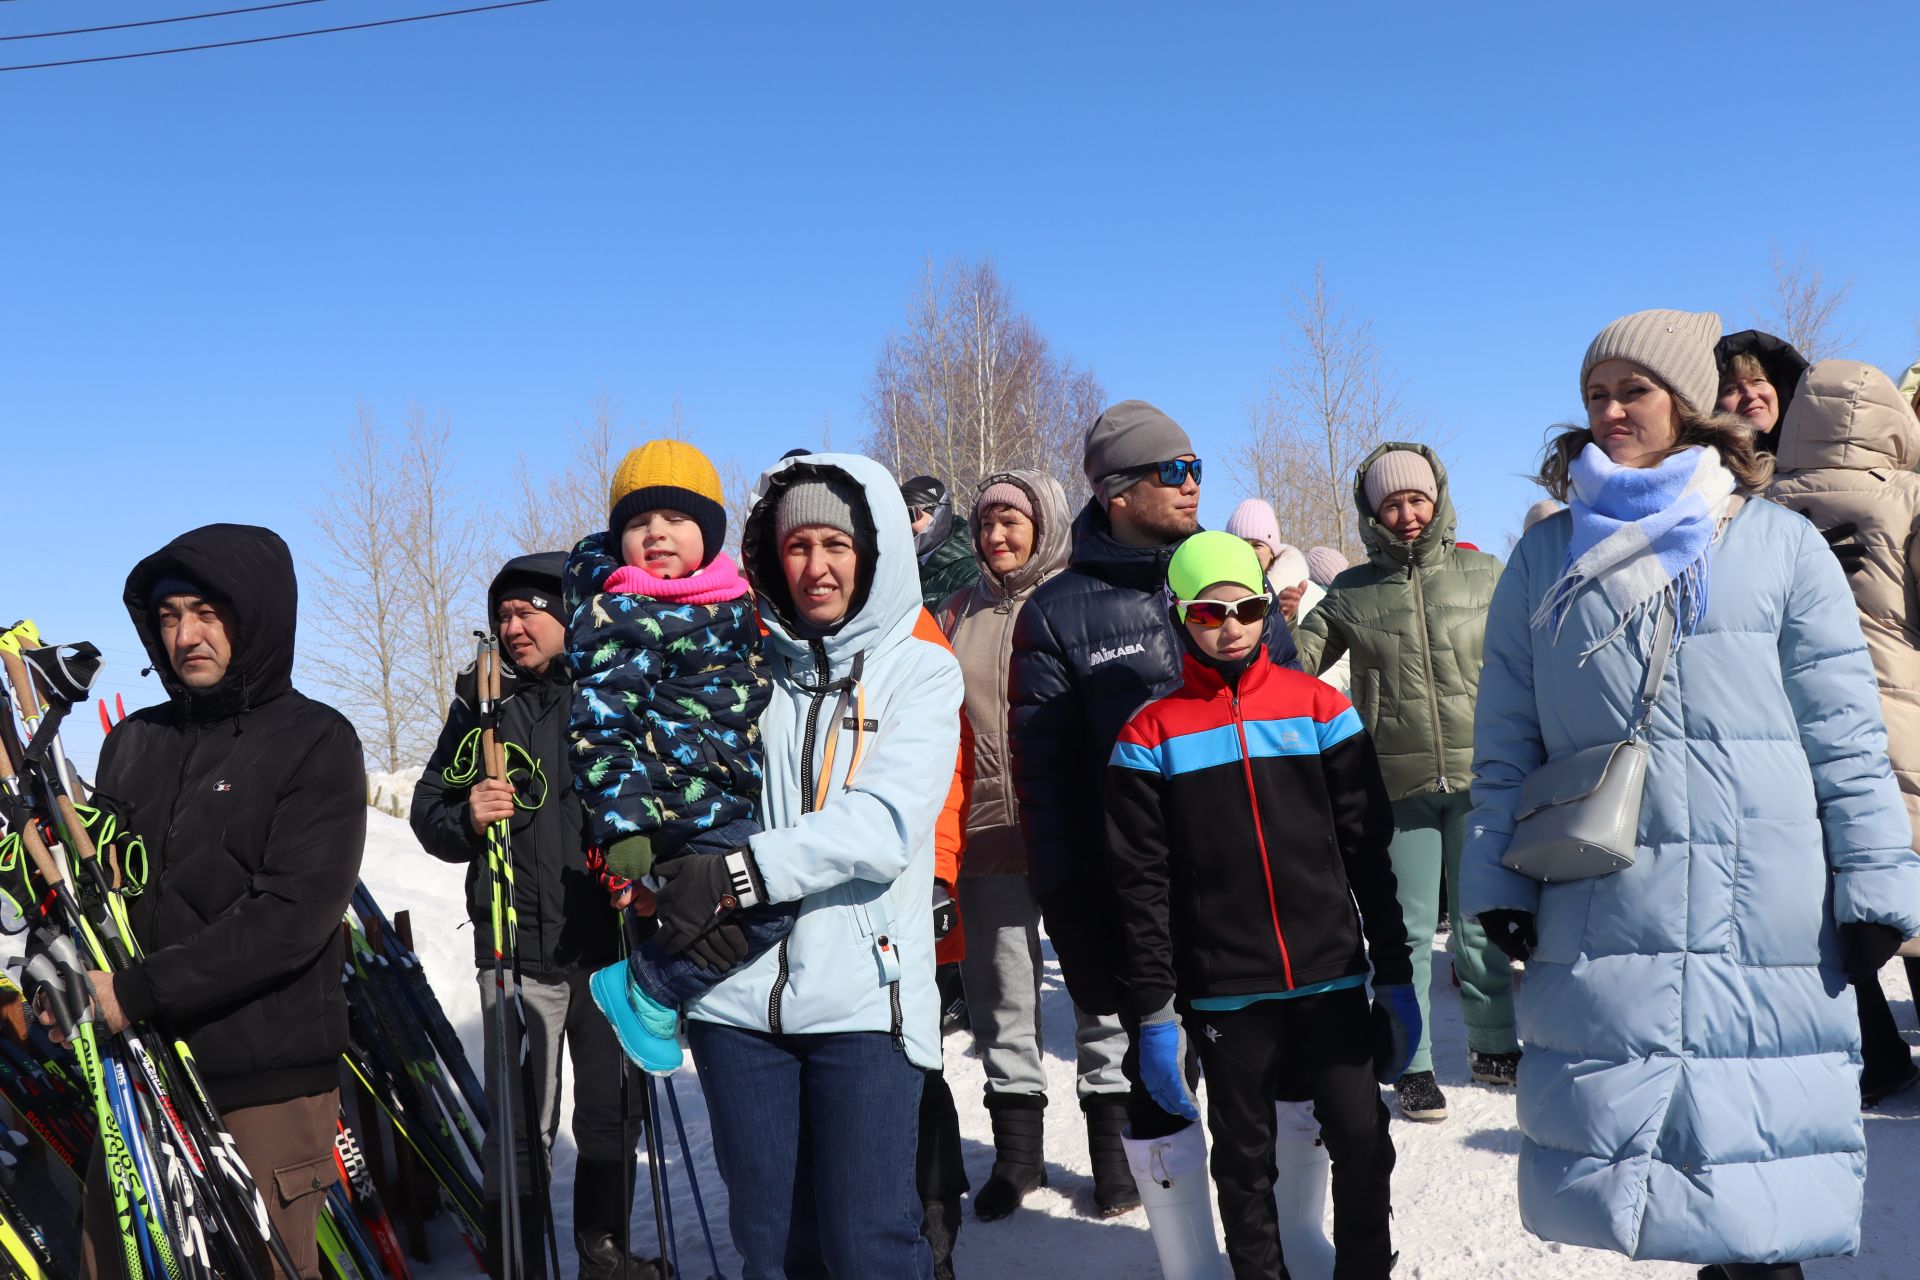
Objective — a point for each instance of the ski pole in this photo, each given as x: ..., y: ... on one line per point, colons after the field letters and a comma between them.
x: 657, y: 1153
x: 693, y: 1178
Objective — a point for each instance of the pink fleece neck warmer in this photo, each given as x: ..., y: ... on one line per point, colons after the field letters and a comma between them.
x: 715, y: 582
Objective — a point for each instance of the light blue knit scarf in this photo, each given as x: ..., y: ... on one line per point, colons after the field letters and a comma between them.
x: 1640, y: 536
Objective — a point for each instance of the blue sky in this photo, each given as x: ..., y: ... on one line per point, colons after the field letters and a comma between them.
x: 211, y: 259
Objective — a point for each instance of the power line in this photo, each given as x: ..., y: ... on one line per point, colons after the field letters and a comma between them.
x: 159, y: 22
x: 290, y: 35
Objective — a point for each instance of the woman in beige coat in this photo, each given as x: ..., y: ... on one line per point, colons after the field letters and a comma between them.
x: 1848, y: 444
x: 1021, y: 530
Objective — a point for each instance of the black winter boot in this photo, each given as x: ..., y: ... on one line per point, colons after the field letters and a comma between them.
x: 602, y: 1207
x: 1114, y: 1191
x: 1019, y: 1153
x: 940, y: 1224
x: 1753, y: 1271
x: 533, y: 1244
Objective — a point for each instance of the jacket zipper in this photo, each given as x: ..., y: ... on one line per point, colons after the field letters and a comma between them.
x: 819, y: 698
x: 1260, y: 838
x: 1426, y: 658
x: 173, y: 814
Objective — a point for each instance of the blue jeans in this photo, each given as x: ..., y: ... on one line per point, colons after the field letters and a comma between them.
x: 674, y: 980
x: 815, y: 1136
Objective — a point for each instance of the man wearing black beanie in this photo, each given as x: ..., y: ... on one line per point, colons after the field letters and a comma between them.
x: 567, y: 930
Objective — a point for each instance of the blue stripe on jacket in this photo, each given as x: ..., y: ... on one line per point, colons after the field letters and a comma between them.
x: 1192, y: 752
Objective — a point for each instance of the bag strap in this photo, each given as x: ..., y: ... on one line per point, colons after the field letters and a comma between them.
x: 1656, y: 668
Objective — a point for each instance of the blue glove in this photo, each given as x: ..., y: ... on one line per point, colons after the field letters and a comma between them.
x: 1396, y: 1032
x: 1163, y: 1064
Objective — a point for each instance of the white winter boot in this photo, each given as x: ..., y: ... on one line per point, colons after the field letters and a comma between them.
x: 1174, y: 1189
x: 1300, y: 1192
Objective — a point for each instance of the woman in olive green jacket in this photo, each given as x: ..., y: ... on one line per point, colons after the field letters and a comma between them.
x: 1412, y: 617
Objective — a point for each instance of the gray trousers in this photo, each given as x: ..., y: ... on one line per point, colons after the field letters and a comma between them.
x: 1001, y: 975
x: 559, y: 1008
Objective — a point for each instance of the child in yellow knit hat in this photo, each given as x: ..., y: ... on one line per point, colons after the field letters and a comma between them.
x: 668, y: 690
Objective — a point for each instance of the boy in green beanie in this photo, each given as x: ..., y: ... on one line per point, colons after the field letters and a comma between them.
x: 1245, y: 816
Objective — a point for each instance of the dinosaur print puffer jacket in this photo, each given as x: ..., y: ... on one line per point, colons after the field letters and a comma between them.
x: 667, y: 699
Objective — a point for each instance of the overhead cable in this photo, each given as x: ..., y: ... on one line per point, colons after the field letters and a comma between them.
x: 289, y: 35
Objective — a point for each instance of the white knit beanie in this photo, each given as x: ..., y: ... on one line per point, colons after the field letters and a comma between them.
x: 1540, y: 511
x: 1674, y: 346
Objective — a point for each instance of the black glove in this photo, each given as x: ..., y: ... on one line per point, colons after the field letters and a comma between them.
x: 1844, y: 541
x: 697, y: 894
x: 1866, y: 947
x: 1511, y: 931
x: 945, y: 914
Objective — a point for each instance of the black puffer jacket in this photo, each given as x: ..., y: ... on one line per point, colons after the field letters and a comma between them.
x: 565, y: 919
x: 1092, y: 646
x: 252, y: 799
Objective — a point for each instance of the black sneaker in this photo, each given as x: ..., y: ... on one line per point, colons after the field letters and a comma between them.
x: 1494, y: 1068
x: 1420, y: 1097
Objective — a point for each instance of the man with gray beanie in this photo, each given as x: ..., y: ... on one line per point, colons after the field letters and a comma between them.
x: 1091, y: 646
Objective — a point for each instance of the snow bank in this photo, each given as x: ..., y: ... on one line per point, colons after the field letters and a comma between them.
x: 1454, y: 1211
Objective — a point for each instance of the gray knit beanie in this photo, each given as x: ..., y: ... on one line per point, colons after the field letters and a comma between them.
x: 1674, y: 346
x: 829, y: 500
x: 1125, y: 438
x: 1396, y: 471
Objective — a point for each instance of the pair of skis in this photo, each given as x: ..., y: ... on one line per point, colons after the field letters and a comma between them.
x: 186, y: 1206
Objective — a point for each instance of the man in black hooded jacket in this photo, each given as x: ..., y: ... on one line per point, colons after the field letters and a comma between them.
x: 567, y: 929
x: 251, y: 798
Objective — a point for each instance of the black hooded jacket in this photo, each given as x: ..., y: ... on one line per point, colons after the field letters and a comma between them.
x: 252, y: 800
x: 565, y: 919
x: 1782, y: 361
x: 1093, y: 645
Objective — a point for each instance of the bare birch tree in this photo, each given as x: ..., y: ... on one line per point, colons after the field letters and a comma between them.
x: 357, y: 596
x: 970, y: 386
x: 554, y: 509
x: 1324, y: 408
x: 1805, y: 310
x: 448, y: 562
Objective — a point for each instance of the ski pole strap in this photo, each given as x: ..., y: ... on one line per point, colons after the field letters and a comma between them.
x: 468, y: 764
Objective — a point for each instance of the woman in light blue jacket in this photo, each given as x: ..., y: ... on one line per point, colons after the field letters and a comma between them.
x: 1690, y: 1084
x: 811, y: 1056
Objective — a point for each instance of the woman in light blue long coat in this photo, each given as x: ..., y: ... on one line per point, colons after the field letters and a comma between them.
x: 1690, y: 1084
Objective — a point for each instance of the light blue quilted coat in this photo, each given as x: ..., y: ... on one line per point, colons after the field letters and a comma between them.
x: 1690, y: 1084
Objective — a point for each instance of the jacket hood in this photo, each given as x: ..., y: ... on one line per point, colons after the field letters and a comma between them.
x: 1782, y: 361
x: 1847, y: 416
x: 251, y: 570
x: 939, y: 528
x: 1052, y: 535
x: 540, y: 569
x: 886, y: 605
x: 1910, y: 382
x: 546, y: 569
x: 1385, y: 549
x: 1097, y: 552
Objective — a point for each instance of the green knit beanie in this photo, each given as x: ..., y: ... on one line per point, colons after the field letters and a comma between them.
x: 1213, y: 557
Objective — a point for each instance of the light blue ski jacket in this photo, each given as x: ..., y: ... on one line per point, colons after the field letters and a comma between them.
x: 1690, y: 1084
x: 860, y: 957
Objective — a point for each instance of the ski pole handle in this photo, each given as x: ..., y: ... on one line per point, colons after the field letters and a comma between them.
x: 61, y: 991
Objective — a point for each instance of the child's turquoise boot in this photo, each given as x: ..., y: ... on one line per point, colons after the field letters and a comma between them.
x: 648, y: 1030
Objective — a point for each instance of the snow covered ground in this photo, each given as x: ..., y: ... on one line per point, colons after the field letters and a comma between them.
x: 1455, y: 1216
